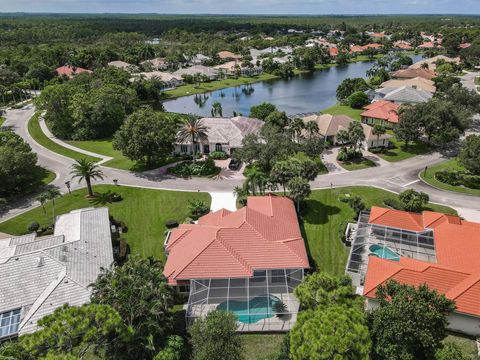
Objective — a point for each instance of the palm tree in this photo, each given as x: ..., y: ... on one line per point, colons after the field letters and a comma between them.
x: 378, y: 130
x: 217, y: 109
x: 297, y: 126
x: 312, y: 128
x: 343, y: 138
x: 86, y: 170
x: 256, y: 179
x: 52, y: 194
x: 42, y: 199
x: 356, y: 134
x: 192, y: 130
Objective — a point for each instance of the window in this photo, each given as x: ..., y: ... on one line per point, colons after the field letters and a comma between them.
x: 218, y: 147
x: 197, y: 148
x: 9, y: 322
x: 183, y: 148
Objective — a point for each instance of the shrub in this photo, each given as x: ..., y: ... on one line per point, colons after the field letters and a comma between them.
x: 342, y: 229
x: 358, y: 100
x: 218, y: 155
x: 33, y: 227
x: 199, y: 168
x: 170, y: 224
x: 198, y: 208
x: 393, y: 204
x: 348, y: 154
x: 456, y: 178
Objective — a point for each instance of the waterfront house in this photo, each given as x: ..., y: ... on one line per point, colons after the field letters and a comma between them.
x: 381, y: 112
x: 223, y: 134
x: 157, y: 64
x: 40, y: 274
x: 232, y: 67
x: 430, y: 248
x: 169, y: 80
x: 431, y: 62
x: 403, y: 95
x: 330, y: 125
x: 413, y: 73
x: 206, y: 71
x: 402, y: 45
x: 228, y: 56
x: 245, y: 261
x: 418, y: 82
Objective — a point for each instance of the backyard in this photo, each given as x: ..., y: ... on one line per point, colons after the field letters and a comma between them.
x: 339, y: 109
x: 144, y: 211
x: 449, y: 165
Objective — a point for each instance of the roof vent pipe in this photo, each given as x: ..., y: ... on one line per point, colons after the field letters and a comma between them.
x: 40, y: 261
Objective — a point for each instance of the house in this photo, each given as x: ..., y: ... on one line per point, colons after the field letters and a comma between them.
x: 223, y: 134
x: 403, y: 95
x: 381, y: 112
x: 330, y: 125
x: 40, y: 274
x: 70, y: 71
x: 199, y: 59
x: 413, y: 73
x: 157, y: 64
x: 402, y: 45
x: 419, y: 82
x: 377, y: 35
x: 430, y: 248
x: 333, y: 51
x: 244, y: 261
x: 170, y: 81
x: 431, y: 62
x: 232, y: 67
x: 123, y: 65
x: 208, y: 72
x: 228, y: 55
x: 464, y: 45
x: 430, y: 45
x: 356, y: 49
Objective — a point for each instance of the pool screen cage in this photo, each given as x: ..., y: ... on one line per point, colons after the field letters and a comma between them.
x: 263, y: 302
x: 416, y: 245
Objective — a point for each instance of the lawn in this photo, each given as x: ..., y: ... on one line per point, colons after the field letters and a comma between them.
x: 260, y: 346
x: 468, y: 345
x: 39, y: 136
x: 451, y: 165
x: 191, y: 89
x: 2, y: 119
x: 357, y: 164
x: 324, y: 215
x: 44, y: 175
x: 397, y: 151
x: 339, y: 109
x: 144, y: 211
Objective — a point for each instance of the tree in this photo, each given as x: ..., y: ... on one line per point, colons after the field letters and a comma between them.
x: 198, y: 208
x: 413, y: 201
x: 408, y: 128
x: 355, y: 134
x: 299, y: 189
x: 86, y: 170
x: 469, y: 155
x: 312, y: 128
x: 74, y: 330
x: 17, y: 162
x: 256, y: 179
x: 217, y: 109
x: 451, y: 351
x: 215, y: 337
x: 173, y: 350
x: 52, y: 194
x: 348, y: 86
x: 282, y: 173
x: 42, y: 199
x: 277, y: 118
x: 378, y: 130
x: 357, y: 100
x: 147, y: 136
x: 296, y: 126
x: 194, y: 131
x: 262, y: 111
x: 138, y: 290
x: 410, y: 323
x: 343, y: 138
x: 333, y: 332
x: 323, y: 289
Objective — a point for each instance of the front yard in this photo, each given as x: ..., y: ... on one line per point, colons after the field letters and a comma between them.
x: 398, y: 152
x: 144, y: 211
x: 357, y: 164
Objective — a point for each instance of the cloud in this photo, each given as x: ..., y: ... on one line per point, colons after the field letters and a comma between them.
x: 245, y: 6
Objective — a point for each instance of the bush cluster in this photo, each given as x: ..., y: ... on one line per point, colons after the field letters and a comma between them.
x: 218, y: 155
x: 348, y: 154
x: 198, y: 168
x: 393, y: 204
x: 458, y: 178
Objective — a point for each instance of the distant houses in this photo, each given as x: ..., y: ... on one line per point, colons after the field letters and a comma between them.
x: 123, y: 65
x: 169, y: 80
x: 70, y: 71
x: 207, y: 72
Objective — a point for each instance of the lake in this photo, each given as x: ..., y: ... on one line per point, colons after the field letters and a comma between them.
x: 309, y: 92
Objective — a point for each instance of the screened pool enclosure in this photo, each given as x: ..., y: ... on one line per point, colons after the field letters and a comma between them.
x: 387, y: 243
x: 264, y: 302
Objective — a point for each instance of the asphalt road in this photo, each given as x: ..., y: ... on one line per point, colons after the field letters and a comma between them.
x: 395, y: 177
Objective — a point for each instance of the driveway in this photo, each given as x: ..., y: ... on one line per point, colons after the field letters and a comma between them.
x: 394, y: 177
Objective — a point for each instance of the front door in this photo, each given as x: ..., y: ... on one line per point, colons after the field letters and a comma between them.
x: 206, y: 149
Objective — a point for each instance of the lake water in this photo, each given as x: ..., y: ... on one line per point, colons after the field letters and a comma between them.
x: 310, y: 92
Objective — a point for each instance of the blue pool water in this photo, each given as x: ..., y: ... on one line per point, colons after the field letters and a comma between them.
x: 260, y: 308
x: 384, y: 252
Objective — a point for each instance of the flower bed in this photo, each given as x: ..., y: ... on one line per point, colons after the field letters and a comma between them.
x: 198, y: 168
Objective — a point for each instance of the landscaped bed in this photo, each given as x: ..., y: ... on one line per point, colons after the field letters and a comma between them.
x: 357, y: 164
x: 430, y: 177
x: 201, y: 168
x: 144, y: 211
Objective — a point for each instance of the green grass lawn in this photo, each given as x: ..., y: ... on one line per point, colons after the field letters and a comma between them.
x: 339, y: 109
x: 39, y: 136
x: 144, y: 211
x: 467, y: 344
x: 2, y: 120
x: 191, y: 89
x: 450, y: 165
x: 324, y: 215
x: 357, y: 164
x: 45, y: 176
x: 397, y: 151
x: 260, y: 346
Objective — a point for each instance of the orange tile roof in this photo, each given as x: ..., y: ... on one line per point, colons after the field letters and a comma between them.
x: 465, y: 45
x: 456, y: 272
x: 384, y: 110
x: 333, y: 51
x: 262, y: 235
x: 429, y: 45
x: 413, y: 73
x: 69, y: 70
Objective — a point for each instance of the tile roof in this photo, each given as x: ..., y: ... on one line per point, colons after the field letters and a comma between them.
x: 456, y: 272
x: 70, y: 71
x: 197, y: 69
x: 41, y: 274
x: 413, y: 73
x: 228, y: 55
x: 408, y: 94
x: 431, y: 62
x: 262, y: 235
x: 385, y: 110
x: 419, y: 82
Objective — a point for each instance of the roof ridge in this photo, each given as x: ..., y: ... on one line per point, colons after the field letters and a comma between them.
x: 472, y: 280
x: 179, y: 271
x: 230, y: 249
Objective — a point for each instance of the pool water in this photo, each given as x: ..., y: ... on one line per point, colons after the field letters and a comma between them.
x: 261, y: 307
x: 384, y: 252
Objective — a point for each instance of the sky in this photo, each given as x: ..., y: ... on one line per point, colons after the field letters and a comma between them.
x: 310, y: 7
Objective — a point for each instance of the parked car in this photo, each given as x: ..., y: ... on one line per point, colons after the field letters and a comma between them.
x: 234, y: 164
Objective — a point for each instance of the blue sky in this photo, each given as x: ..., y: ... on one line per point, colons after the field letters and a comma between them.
x: 246, y: 6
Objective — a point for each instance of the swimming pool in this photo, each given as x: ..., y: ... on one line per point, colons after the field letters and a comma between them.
x: 260, y: 308
x: 384, y: 252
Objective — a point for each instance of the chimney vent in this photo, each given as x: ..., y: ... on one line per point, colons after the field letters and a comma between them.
x: 40, y: 261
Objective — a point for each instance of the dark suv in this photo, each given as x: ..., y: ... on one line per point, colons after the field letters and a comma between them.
x: 234, y: 164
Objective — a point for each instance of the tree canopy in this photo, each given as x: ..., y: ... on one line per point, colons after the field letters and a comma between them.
x: 469, y: 155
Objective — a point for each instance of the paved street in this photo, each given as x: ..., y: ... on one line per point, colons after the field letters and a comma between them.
x: 394, y: 177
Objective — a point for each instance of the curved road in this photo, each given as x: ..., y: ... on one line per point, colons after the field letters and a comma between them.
x: 394, y: 177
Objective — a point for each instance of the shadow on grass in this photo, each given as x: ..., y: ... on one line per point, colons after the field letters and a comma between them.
x: 317, y: 213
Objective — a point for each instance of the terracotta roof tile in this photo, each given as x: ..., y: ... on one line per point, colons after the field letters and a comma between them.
x: 385, y: 110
